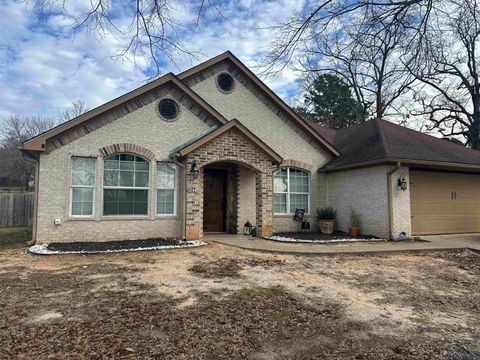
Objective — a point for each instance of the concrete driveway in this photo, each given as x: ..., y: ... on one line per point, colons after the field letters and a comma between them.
x: 434, y: 242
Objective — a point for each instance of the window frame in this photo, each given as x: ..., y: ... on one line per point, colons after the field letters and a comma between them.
x: 288, y: 192
x: 94, y: 187
x: 175, y: 190
x: 119, y: 187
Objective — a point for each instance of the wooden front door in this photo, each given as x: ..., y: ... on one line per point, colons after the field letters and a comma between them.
x: 214, y: 200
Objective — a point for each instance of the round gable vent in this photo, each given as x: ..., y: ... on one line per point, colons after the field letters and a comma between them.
x: 225, y: 82
x: 168, y: 109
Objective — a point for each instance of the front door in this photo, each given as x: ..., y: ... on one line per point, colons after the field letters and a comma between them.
x: 214, y: 200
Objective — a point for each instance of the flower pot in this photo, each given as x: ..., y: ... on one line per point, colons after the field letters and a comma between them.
x: 326, y: 226
x: 353, y: 230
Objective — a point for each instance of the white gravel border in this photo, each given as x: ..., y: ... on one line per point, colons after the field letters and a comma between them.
x: 42, y: 249
x: 332, y: 241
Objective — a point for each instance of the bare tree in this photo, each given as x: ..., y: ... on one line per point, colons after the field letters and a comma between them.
x: 361, y: 41
x: 150, y: 34
x: 16, y: 129
x: 15, y: 169
x: 449, y: 71
x: 77, y: 108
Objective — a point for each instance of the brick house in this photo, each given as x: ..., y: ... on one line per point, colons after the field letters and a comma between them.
x: 213, y: 147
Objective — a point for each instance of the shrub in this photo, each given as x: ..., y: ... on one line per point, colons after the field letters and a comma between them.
x: 354, y: 219
x: 327, y: 213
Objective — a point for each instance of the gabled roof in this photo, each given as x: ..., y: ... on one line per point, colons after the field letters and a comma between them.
x: 38, y: 143
x: 261, y: 85
x: 379, y: 141
x: 212, y: 133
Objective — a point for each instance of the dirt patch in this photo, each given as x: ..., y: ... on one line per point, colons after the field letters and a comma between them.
x: 464, y: 259
x: 226, y: 267
x: 152, y: 305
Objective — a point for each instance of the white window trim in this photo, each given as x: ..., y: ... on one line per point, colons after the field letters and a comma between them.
x: 287, y: 193
x: 175, y: 191
x: 126, y: 188
x: 94, y: 187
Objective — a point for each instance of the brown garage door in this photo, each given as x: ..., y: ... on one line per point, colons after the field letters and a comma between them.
x: 444, y: 203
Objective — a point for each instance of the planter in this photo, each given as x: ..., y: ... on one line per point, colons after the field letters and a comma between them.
x: 326, y: 226
x: 353, y: 230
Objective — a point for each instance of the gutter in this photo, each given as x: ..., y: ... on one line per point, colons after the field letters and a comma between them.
x: 27, y: 155
x: 389, y: 197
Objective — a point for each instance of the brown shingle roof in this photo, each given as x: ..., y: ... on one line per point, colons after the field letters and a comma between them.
x: 380, y: 141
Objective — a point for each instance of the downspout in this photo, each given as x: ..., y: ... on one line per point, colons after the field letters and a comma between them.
x: 27, y: 156
x: 389, y: 197
x: 184, y: 194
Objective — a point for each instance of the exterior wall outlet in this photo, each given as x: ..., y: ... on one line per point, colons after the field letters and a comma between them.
x: 57, y: 222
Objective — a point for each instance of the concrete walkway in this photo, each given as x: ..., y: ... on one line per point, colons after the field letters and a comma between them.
x: 433, y: 243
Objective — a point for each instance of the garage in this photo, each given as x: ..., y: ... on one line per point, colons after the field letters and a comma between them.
x: 444, y: 202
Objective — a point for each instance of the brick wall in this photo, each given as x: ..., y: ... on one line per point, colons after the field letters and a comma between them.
x: 230, y: 146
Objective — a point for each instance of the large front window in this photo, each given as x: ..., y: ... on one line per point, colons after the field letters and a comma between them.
x: 125, y: 185
x: 291, y: 191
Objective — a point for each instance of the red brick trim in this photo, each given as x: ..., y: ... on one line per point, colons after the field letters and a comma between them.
x: 127, y: 148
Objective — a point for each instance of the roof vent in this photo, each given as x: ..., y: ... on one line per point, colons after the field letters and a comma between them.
x: 168, y: 109
x: 225, y: 82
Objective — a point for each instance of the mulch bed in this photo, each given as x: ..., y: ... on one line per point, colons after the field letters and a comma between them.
x: 116, y: 246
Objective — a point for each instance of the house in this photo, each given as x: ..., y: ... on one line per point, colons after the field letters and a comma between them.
x: 213, y: 147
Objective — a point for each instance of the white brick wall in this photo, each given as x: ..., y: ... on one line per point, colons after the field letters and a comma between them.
x: 245, y: 106
x: 143, y: 127
x: 365, y: 191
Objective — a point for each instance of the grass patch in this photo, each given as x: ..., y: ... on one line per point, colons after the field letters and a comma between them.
x: 14, y: 235
x: 419, y: 319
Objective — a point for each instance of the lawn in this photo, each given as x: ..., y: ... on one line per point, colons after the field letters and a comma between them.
x: 219, y: 302
x: 13, y: 235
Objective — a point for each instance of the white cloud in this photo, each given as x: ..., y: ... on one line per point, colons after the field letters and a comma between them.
x: 45, y: 66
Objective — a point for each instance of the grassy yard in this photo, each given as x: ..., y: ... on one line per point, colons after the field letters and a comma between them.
x: 13, y: 235
x: 219, y: 302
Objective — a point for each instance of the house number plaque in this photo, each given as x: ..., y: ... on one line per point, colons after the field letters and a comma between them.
x: 192, y: 189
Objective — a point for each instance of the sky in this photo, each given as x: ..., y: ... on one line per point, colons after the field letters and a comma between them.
x: 45, y: 64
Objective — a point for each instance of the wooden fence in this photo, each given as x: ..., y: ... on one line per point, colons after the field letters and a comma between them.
x: 16, y: 209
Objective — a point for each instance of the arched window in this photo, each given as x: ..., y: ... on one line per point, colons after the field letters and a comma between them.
x: 291, y: 191
x: 126, y: 179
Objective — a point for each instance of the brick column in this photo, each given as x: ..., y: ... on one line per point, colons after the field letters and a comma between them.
x: 264, y: 199
x: 194, y: 205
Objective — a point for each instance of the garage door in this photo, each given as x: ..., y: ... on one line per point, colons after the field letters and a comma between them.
x: 444, y: 203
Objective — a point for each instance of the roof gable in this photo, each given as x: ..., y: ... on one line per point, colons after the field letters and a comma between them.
x: 262, y: 91
x: 211, y: 134
x: 115, y: 109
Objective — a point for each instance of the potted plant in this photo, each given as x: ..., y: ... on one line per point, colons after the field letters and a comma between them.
x: 354, y: 228
x: 326, y: 219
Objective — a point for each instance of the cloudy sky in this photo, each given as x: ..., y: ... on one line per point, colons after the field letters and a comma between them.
x: 45, y: 65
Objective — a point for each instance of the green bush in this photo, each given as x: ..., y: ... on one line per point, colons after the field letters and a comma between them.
x: 327, y: 213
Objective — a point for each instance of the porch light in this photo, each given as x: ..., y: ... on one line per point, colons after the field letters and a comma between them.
x: 194, y: 170
x: 402, y: 183
x: 247, y: 228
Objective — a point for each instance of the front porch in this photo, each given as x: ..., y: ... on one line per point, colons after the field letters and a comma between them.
x: 228, y: 180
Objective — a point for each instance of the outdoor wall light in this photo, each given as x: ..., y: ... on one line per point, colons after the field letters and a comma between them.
x: 194, y: 170
x: 402, y: 183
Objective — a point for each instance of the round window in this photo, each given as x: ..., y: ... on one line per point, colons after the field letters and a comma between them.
x: 168, y: 109
x: 225, y: 82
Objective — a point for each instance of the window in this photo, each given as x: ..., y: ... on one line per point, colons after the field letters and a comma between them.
x: 168, y: 109
x: 291, y: 191
x: 82, y: 186
x: 166, y: 188
x: 225, y: 83
x: 125, y: 185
